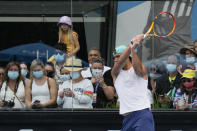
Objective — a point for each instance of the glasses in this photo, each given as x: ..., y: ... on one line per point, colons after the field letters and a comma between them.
x: 1, y: 74
x: 187, y: 80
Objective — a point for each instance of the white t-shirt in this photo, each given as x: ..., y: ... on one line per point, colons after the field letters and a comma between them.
x: 40, y: 92
x: 82, y: 91
x: 87, y: 73
x: 9, y: 94
x: 132, y: 91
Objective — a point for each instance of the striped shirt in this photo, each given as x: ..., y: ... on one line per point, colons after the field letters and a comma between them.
x: 179, y: 95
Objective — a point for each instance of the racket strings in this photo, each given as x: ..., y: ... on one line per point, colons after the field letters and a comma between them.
x: 163, y: 25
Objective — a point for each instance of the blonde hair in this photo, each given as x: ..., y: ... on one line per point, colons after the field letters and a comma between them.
x: 34, y: 64
x: 69, y: 34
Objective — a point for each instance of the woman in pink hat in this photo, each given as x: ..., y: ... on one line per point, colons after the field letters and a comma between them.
x: 68, y: 36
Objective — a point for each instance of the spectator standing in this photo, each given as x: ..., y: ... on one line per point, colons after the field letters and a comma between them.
x: 67, y: 36
x: 93, y: 53
x: 104, y: 91
x: 195, y: 46
x: 78, y: 92
x: 2, y: 75
x: 24, y: 71
x: 50, y: 69
x: 189, y: 58
x: 168, y: 83
x: 186, y: 96
x: 12, y: 93
x: 64, y: 75
x: 155, y: 71
x: 41, y: 91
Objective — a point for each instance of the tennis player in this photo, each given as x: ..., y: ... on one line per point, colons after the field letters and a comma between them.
x: 130, y: 80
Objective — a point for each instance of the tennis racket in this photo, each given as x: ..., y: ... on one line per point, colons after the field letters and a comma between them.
x: 162, y: 26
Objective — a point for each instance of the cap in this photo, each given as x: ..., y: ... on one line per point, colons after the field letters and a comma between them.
x: 188, y: 73
x: 119, y: 49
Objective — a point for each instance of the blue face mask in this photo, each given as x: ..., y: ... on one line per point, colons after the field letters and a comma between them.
x: 65, y: 77
x: 23, y: 73
x: 13, y: 75
x: 154, y: 76
x: 195, y: 64
x: 190, y: 60
x: 171, y: 68
x: 75, y: 75
x: 59, y: 58
x: 38, y: 74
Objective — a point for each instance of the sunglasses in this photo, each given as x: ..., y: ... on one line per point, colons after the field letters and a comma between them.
x: 187, y: 80
x: 1, y: 74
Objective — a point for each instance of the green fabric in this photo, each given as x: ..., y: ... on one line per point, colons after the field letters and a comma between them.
x: 171, y: 93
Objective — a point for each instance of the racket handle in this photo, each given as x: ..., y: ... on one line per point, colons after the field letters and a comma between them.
x: 145, y: 36
x: 136, y: 48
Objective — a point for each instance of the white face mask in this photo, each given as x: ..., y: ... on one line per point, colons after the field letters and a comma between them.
x: 75, y: 75
x: 96, y: 72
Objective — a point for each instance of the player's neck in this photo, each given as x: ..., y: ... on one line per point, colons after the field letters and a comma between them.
x: 127, y: 66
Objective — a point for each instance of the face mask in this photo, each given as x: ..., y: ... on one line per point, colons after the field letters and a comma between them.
x: 50, y: 73
x: 74, y: 75
x: 23, y: 73
x: 13, y: 75
x: 188, y: 84
x: 59, y: 58
x: 195, y: 64
x: 65, y: 77
x: 96, y: 72
x: 190, y: 60
x: 154, y: 76
x: 171, y: 67
x: 38, y: 74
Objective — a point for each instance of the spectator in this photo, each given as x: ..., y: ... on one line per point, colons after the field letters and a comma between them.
x: 155, y: 71
x: 12, y: 94
x: 93, y: 53
x: 189, y: 56
x: 195, y: 46
x: 58, y: 60
x: 2, y: 75
x: 41, y: 91
x: 186, y: 96
x: 78, y: 92
x: 24, y: 71
x: 103, y: 89
x: 50, y: 69
x: 67, y: 36
x: 64, y: 75
x: 168, y: 83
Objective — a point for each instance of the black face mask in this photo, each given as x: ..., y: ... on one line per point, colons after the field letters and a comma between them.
x: 50, y: 73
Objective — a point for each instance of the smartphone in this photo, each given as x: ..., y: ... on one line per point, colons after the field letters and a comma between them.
x: 36, y: 101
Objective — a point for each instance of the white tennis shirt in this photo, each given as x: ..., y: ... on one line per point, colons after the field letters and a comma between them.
x: 132, y: 91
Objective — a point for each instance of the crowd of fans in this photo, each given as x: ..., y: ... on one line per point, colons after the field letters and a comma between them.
x: 66, y: 81
x: 71, y: 84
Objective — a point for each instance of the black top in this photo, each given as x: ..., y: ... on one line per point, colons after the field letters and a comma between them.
x: 101, y: 100
x: 163, y: 84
